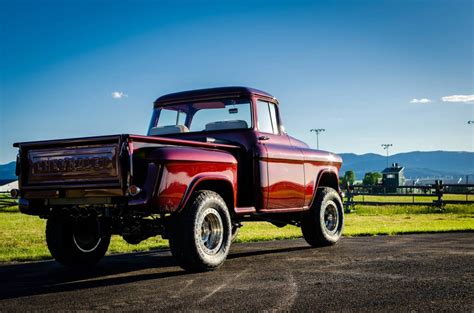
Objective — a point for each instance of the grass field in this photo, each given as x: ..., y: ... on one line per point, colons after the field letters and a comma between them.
x: 410, y: 199
x: 22, y: 236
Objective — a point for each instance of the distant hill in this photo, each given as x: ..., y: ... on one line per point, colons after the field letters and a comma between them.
x: 7, y: 173
x: 417, y: 164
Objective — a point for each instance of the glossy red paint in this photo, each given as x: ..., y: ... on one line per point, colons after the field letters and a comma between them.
x: 292, y: 169
x: 184, y: 164
x: 179, y: 180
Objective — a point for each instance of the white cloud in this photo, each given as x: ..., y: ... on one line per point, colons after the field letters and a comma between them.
x: 422, y: 100
x: 118, y: 95
x: 459, y: 98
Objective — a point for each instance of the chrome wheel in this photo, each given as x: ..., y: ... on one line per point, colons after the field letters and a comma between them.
x: 86, y: 235
x: 212, y: 231
x: 331, y: 217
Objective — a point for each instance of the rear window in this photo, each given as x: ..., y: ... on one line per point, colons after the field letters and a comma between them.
x: 202, y: 116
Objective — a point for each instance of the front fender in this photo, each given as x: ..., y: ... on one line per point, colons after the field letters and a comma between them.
x: 327, y: 177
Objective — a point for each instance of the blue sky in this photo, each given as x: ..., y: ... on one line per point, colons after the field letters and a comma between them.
x: 352, y: 67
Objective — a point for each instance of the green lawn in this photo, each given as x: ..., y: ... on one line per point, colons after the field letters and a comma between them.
x: 410, y: 199
x: 22, y: 236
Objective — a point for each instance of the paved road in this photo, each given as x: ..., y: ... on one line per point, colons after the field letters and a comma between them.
x: 411, y: 272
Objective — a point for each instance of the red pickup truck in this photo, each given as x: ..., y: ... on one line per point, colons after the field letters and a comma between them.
x: 212, y: 159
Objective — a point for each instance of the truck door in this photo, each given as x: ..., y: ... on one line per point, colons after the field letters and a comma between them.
x: 283, y: 186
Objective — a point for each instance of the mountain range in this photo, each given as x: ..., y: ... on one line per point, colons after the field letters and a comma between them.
x: 418, y: 164
x: 7, y: 173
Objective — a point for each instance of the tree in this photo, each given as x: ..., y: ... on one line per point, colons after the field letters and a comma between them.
x: 348, y: 178
x: 371, y: 178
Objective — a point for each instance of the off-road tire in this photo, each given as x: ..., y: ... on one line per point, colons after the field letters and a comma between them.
x: 189, y: 228
x: 323, y: 223
x: 66, y: 248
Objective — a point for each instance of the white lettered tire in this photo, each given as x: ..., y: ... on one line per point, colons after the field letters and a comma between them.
x: 200, y: 236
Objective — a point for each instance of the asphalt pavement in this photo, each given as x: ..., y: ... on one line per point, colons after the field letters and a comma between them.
x: 429, y: 272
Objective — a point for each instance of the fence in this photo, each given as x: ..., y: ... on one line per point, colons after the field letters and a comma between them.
x: 437, y: 194
x: 6, y: 200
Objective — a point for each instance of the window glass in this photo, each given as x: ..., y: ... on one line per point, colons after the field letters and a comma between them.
x: 181, y: 118
x: 211, y: 115
x: 229, y: 116
x: 171, y: 117
x: 274, y: 118
x: 267, y: 118
x: 264, y: 120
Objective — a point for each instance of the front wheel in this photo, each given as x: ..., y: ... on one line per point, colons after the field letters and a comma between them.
x: 322, y: 225
x: 76, y: 243
x: 201, y: 235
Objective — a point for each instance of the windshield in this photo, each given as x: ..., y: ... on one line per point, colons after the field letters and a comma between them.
x: 211, y: 115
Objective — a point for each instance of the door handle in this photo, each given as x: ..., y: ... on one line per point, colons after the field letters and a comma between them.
x: 263, y: 138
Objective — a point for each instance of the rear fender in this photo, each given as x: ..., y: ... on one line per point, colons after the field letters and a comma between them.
x: 226, y: 189
x: 169, y: 175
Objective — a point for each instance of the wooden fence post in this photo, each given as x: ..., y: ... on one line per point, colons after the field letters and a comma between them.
x: 349, y: 200
x: 439, y: 193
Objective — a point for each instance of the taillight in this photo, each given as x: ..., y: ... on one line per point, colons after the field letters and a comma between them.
x: 134, y: 190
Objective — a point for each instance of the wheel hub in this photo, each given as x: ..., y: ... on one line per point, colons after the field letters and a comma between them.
x: 86, y: 235
x: 212, y: 231
x: 331, y: 218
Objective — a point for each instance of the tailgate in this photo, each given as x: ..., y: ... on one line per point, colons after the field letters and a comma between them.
x: 71, y: 163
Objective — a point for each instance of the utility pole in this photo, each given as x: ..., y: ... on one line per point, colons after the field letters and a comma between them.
x: 317, y: 131
x: 386, y: 146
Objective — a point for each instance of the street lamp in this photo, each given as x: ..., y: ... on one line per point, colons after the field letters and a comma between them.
x: 317, y: 131
x: 470, y: 122
x: 386, y: 146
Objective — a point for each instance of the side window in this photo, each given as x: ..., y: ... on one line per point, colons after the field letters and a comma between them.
x: 171, y: 117
x: 273, y: 116
x: 167, y: 118
x: 267, y: 120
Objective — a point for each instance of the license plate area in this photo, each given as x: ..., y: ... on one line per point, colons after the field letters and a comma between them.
x: 79, y: 165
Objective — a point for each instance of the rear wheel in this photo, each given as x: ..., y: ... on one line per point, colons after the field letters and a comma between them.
x: 76, y: 243
x: 201, y: 235
x: 322, y: 225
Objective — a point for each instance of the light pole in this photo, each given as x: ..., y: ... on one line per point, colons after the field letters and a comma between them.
x: 386, y: 146
x: 470, y: 122
x: 317, y: 131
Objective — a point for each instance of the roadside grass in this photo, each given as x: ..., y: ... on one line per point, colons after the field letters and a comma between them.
x: 411, y: 199
x: 22, y: 237
x: 412, y: 209
x: 370, y: 225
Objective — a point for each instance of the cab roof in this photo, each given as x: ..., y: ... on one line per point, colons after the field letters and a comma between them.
x: 210, y: 93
